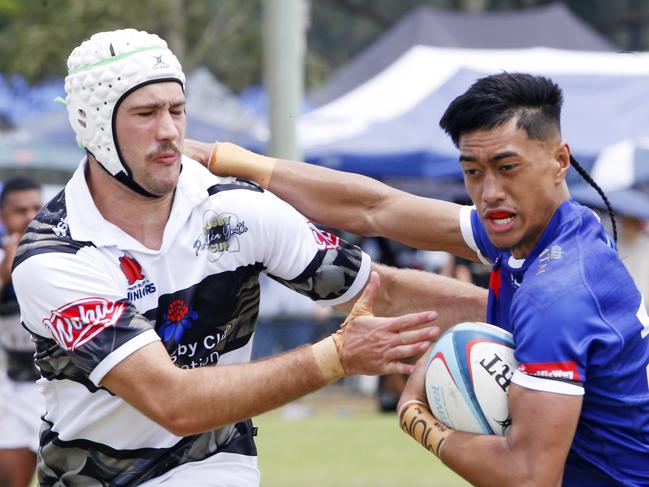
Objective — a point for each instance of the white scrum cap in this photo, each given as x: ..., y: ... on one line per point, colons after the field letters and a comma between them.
x: 101, y: 72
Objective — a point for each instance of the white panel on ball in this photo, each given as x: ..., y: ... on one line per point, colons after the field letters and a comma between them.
x: 468, y: 375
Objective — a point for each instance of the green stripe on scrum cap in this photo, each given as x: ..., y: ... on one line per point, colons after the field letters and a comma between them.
x: 86, y: 67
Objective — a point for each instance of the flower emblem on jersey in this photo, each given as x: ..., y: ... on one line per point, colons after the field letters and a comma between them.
x: 219, y: 234
x: 324, y: 240
x: 178, y: 319
x: 131, y: 269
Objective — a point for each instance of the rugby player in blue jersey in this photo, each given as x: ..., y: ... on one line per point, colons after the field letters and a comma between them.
x: 579, y: 401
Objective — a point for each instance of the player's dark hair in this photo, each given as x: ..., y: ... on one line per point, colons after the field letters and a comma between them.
x: 492, y: 101
x: 13, y: 185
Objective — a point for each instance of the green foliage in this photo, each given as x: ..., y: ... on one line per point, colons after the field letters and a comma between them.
x: 36, y: 36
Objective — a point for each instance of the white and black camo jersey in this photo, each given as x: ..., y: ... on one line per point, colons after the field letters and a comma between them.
x: 91, y: 295
x: 14, y: 339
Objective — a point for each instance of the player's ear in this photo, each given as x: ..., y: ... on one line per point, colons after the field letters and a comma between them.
x: 562, y: 158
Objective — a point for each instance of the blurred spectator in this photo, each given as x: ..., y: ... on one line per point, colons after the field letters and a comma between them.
x: 21, y: 403
x: 458, y: 268
x: 633, y: 248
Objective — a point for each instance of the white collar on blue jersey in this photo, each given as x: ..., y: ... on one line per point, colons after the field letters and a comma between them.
x: 515, y: 263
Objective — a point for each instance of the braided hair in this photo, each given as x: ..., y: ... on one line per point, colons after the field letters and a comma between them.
x: 584, y: 174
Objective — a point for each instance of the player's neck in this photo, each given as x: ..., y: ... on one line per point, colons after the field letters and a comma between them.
x: 143, y: 218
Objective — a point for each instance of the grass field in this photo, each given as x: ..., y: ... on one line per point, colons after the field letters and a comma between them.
x: 343, y: 442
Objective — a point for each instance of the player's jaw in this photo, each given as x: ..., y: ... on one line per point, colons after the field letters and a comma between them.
x: 160, y: 171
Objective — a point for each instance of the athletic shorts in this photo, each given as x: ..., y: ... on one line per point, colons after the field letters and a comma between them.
x: 220, y: 470
x: 21, y: 408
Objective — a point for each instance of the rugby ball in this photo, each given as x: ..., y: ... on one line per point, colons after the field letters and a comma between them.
x: 468, y: 374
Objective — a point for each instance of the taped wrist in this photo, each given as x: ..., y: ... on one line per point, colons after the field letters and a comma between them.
x: 416, y: 420
x: 327, y: 356
x: 228, y: 159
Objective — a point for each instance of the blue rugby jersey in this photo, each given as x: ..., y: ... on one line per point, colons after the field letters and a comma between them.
x: 580, y: 327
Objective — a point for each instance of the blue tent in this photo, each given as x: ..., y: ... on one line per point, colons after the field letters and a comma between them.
x: 606, y: 99
x: 552, y: 25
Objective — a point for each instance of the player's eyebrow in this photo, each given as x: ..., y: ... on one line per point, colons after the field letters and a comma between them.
x: 157, y: 106
x: 497, y: 157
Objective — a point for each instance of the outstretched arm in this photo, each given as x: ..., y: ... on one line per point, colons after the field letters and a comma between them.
x: 347, y: 201
x: 223, y: 394
x: 410, y: 290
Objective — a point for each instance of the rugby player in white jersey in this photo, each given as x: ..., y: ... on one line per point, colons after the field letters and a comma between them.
x: 139, y: 284
x: 21, y: 404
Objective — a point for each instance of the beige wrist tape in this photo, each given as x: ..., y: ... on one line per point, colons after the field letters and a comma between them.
x: 327, y: 357
x: 416, y: 419
x: 229, y: 159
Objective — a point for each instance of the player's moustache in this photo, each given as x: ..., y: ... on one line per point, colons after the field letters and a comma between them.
x: 165, y: 147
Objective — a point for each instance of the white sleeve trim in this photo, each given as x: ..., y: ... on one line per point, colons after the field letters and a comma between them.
x: 361, y: 278
x: 546, y: 385
x: 116, y: 356
x: 467, y: 232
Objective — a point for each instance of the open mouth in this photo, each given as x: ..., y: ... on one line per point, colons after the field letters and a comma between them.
x: 500, y: 220
x: 501, y: 217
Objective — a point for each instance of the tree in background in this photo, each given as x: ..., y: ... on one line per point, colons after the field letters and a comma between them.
x: 225, y: 35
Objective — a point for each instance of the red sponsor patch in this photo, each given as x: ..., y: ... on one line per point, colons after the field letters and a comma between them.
x: 131, y: 269
x: 494, y: 282
x: 325, y: 240
x: 76, y: 323
x: 552, y: 370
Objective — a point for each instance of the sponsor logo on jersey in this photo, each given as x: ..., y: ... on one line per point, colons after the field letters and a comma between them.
x: 552, y: 253
x: 324, y: 240
x: 552, y: 370
x: 139, y: 285
x: 219, y: 234
x: 201, y: 352
x: 61, y: 228
x: 131, y: 269
x: 76, y: 323
x: 178, y: 318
